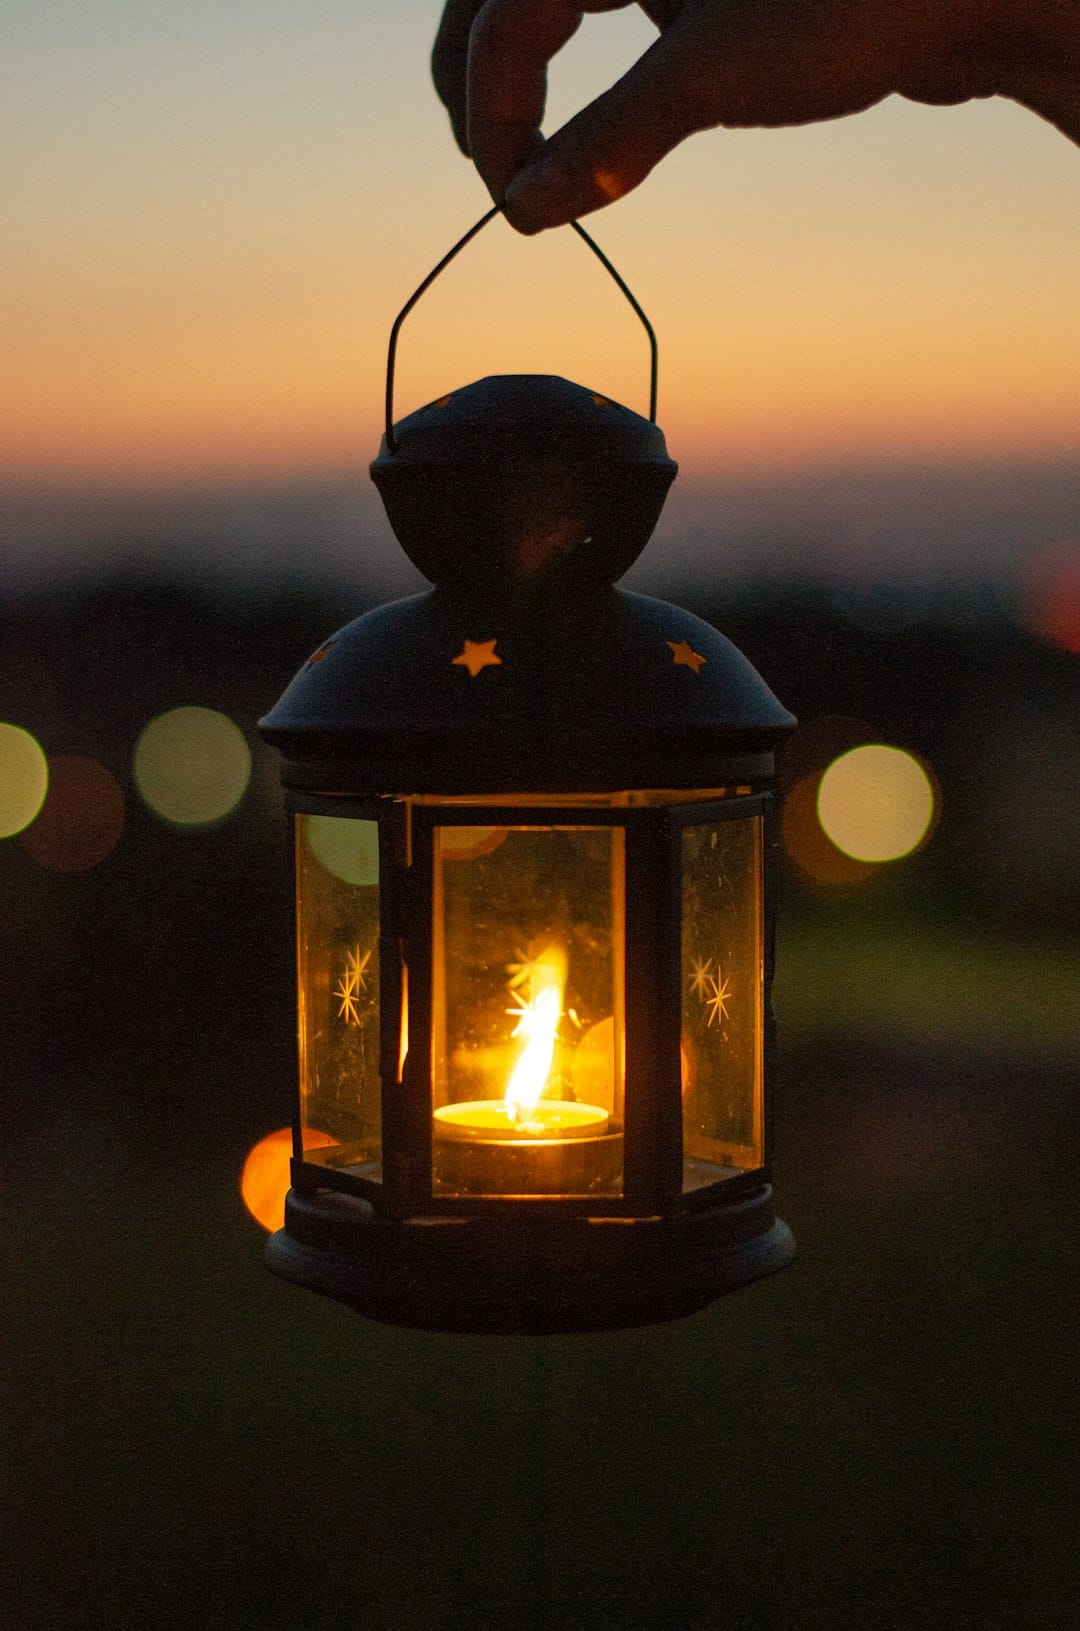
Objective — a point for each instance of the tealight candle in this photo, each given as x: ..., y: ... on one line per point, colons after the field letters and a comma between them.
x: 560, y: 1148
x: 493, y: 1118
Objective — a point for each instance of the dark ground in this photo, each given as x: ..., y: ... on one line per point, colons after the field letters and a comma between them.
x: 883, y: 1435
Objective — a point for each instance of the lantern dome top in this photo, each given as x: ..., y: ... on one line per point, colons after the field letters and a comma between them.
x: 523, y: 479
x: 600, y: 690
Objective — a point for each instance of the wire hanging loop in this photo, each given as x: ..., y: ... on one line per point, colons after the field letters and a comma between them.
x: 391, y: 357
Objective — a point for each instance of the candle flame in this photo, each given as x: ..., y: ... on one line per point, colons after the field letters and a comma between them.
x: 538, y: 1022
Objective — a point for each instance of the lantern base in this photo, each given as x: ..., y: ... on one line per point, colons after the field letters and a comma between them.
x: 529, y: 1275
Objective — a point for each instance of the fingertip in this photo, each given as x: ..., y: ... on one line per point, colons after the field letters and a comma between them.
x: 522, y: 221
x: 500, y: 150
x: 548, y: 194
x: 537, y: 197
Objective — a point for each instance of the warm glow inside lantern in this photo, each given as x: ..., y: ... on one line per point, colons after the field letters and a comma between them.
x: 532, y: 835
x: 524, y: 986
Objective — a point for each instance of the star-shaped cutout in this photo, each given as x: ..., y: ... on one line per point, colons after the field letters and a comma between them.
x: 699, y: 978
x: 685, y: 655
x: 718, y: 997
x: 523, y: 1012
x: 539, y: 1016
x: 355, y: 964
x: 477, y: 654
x: 346, y: 991
x: 523, y: 972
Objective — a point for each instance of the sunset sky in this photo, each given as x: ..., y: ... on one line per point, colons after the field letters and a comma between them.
x: 212, y: 213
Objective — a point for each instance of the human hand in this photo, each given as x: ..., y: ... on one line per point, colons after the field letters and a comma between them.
x: 732, y: 63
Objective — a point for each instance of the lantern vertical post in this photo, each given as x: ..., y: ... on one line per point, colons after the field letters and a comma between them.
x: 654, y: 1142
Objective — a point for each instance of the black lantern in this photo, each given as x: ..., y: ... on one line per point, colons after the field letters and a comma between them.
x: 532, y: 837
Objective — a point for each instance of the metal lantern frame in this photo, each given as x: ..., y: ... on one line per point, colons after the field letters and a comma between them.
x: 602, y: 709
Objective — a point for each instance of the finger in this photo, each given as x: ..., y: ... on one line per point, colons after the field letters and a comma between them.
x: 610, y: 146
x: 512, y: 43
x: 661, y: 12
x: 449, y: 63
x: 749, y: 62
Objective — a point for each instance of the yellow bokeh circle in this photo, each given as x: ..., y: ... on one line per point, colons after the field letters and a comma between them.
x: 192, y: 766
x: 349, y: 849
x: 876, y: 803
x: 24, y: 779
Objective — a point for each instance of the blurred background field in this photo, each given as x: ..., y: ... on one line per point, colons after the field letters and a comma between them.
x: 885, y: 1434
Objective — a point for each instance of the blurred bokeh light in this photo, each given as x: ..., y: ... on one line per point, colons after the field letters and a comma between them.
x: 876, y: 803
x: 807, y: 843
x: 24, y: 779
x: 1052, y: 596
x: 82, y: 818
x: 192, y: 766
x: 348, y: 849
x: 264, y: 1181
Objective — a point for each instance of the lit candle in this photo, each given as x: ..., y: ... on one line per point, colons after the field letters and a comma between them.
x: 495, y: 1118
x: 564, y: 1148
x: 523, y: 1142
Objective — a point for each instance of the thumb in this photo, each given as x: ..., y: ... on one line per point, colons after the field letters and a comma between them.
x: 611, y: 145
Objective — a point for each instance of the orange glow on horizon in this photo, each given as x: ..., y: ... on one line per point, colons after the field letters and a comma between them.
x: 249, y: 373
x: 212, y: 296
x: 296, y: 419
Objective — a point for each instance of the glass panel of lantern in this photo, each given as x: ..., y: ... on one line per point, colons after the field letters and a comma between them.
x: 527, y: 981
x: 723, y: 997
x: 526, y: 1004
x: 337, y: 943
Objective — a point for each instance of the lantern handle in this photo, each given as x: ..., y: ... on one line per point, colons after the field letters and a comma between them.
x: 496, y: 209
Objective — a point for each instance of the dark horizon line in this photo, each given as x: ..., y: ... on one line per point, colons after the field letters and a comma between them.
x: 882, y: 522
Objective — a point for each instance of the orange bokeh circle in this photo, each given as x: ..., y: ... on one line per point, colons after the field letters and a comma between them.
x: 809, y: 845
x: 1052, y: 597
x: 82, y: 818
x: 264, y: 1182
